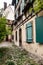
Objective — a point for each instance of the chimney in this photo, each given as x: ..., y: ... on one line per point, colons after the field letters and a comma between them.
x: 5, y: 5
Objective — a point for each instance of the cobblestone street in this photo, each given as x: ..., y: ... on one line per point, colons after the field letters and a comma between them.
x: 12, y: 55
x: 5, y: 44
x: 21, y: 32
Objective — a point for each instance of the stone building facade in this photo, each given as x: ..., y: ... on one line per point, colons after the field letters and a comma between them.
x: 28, y: 27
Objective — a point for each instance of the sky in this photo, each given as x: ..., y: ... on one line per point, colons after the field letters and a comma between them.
x: 2, y: 3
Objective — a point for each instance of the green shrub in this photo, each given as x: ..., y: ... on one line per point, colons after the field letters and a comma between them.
x: 2, y: 28
x: 10, y: 63
x: 38, y: 5
x: 3, y: 51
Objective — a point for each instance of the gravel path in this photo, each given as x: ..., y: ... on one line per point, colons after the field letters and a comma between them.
x: 5, y: 44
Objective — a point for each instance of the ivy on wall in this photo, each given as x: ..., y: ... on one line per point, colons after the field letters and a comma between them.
x: 38, y: 5
x: 2, y: 28
x: 8, y: 28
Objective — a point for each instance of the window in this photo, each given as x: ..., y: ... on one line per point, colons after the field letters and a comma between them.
x: 25, y: 1
x: 29, y: 32
x: 15, y: 16
x: 30, y: 0
x: 39, y: 29
x: 23, y: 4
x: 16, y: 36
x: 16, y: 2
x: 19, y: 11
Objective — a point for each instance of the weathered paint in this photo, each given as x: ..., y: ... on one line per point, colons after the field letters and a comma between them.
x: 39, y: 29
x: 34, y: 47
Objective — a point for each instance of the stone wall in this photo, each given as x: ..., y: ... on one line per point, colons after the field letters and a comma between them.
x: 34, y: 48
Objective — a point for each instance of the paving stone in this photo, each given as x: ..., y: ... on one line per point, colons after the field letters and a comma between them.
x: 19, y: 56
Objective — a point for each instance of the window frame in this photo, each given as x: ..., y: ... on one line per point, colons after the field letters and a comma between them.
x: 27, y: 27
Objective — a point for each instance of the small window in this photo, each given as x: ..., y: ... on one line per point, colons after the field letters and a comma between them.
x: 29, y: 32
x: 19, y: 11
x: 16, y: 36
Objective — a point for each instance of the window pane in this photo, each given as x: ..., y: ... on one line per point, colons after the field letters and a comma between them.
x: 29, y: 32
x: 16, y: 1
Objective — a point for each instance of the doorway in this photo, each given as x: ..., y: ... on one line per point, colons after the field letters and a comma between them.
x: 20, y: 37
x: 6, y: 37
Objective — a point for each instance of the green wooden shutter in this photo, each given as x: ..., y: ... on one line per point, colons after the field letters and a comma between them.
x: 29, y: 32
x: 39, y: 29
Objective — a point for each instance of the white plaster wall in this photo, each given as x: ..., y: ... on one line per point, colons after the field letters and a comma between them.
x: 9, y: 12
x: 10, y: 16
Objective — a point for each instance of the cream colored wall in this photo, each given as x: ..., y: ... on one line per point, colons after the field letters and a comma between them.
x: 34, y: 47
x: 41, y: 13
x: 16, y: 42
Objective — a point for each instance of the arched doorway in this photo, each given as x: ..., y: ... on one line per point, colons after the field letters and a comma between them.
x: 20, y: 37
